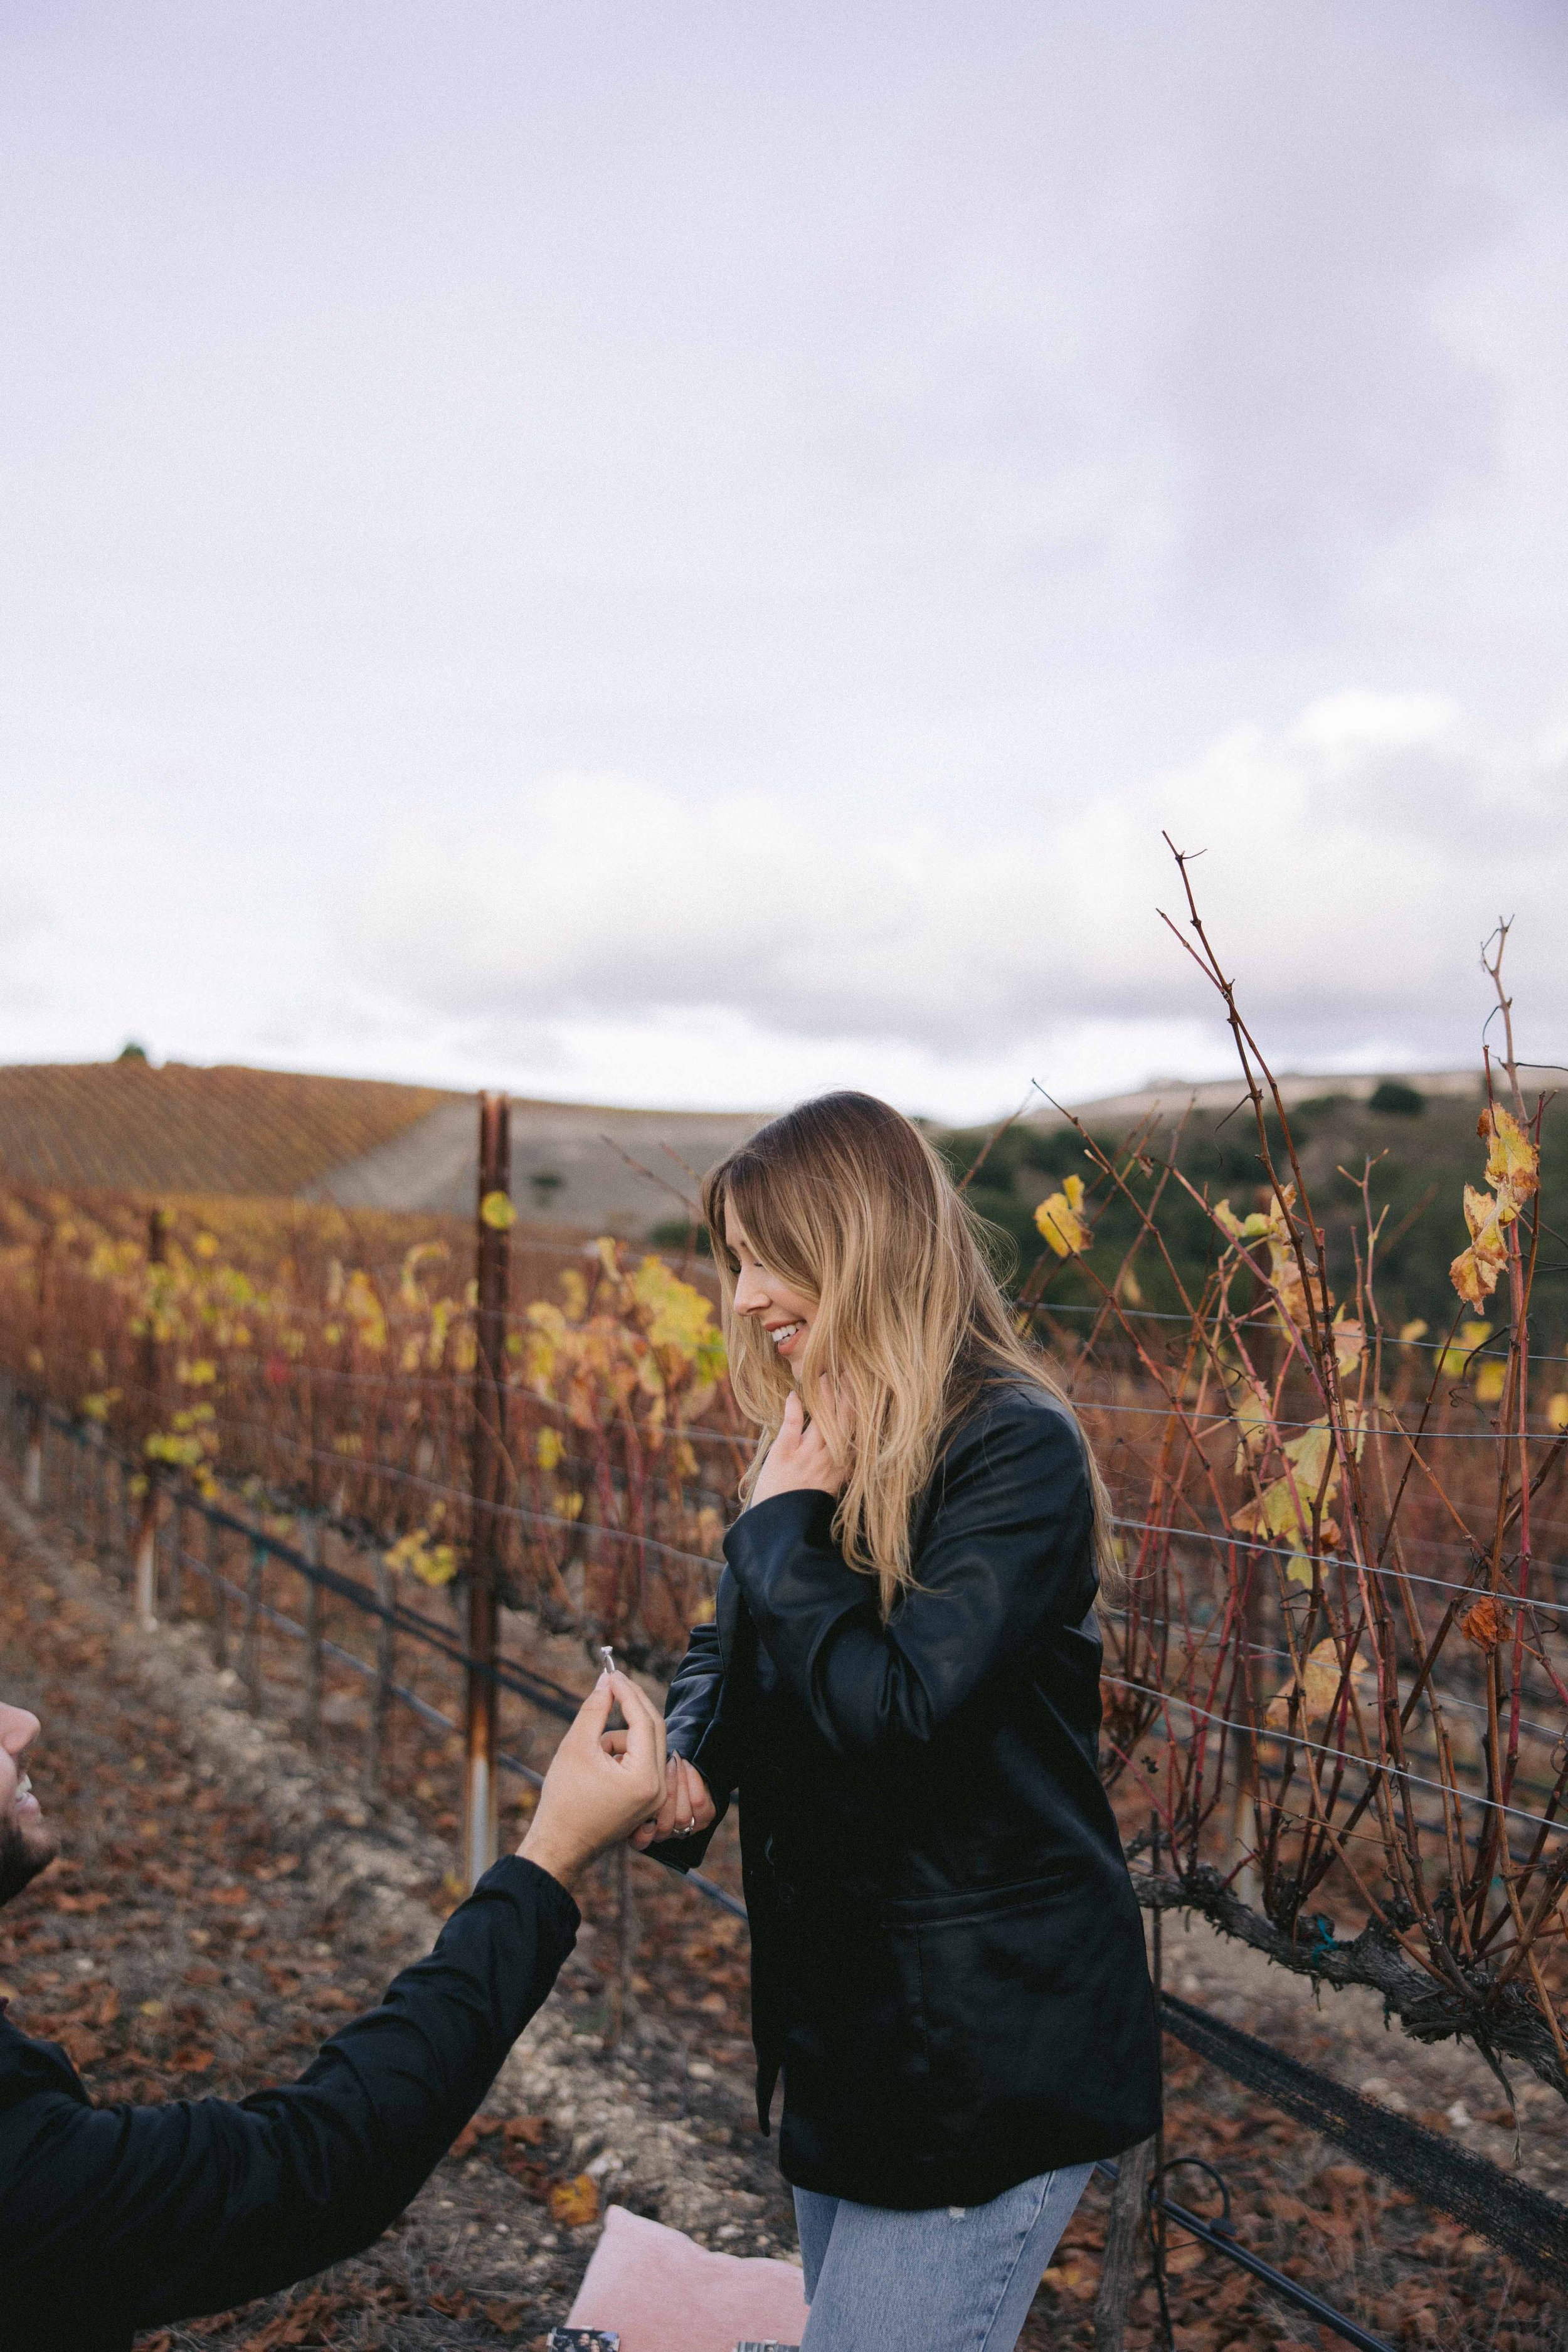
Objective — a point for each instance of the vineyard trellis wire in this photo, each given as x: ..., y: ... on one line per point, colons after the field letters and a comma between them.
x: 1336, y: 1679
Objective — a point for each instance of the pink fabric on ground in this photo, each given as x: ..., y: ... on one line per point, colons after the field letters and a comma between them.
x: 661, y: 2293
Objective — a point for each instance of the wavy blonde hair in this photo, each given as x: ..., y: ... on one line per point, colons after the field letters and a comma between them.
x: 845, y: 1201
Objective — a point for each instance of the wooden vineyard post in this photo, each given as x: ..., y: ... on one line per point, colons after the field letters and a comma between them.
x: 1157, y: 1971
x: 177, y: 1558
x: 380, y: 1689
x: 490, y: 1472
x: 622, y: 2002
x: 1129, y: 2206
x: 250, y: 1637
x: 32, y: 1459
x: 219, y: 1595
x: 33, y: 1468
x: 313, y: 1547
x: 147, y: 1529
x: 1244, y: 1827
x: 99, y: 1486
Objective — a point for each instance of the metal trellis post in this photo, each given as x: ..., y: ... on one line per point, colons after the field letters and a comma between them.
x: 311, y: 1546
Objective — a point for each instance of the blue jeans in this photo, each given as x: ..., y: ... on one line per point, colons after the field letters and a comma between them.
x: 958, y: 2278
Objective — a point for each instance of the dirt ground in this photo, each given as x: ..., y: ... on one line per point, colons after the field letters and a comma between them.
x: 224, y: 1900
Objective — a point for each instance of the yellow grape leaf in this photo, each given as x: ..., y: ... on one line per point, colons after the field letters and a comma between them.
x: 680, y: 1318
x: 1491, y: 1379
x: 1474, y: 1273
x: 1410, y: 1332
x: 574, y: 2202
x: 1513, y: 1161
x: 434, y: 1564
x: 1557, y: 1410
x: 1349, y: 1343
x: 1059, y: 1221
x: 1279, y: 1510
x: 1250, y: 1230
x: 1284, y: 1509
x: 1454, y: 1361
x: 1284, y: 1273
x: 1486, y: 1624
x: 497, y: 1211
x: 409, y: 1288
x: 1320, y: 1687
x: 548, y: 1448
x: 1252, y: 1413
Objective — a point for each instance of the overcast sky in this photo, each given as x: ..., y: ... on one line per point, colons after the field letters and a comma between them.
x: 688, y: 553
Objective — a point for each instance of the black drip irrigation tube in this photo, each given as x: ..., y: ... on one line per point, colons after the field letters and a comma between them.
x: 1219, y: 2236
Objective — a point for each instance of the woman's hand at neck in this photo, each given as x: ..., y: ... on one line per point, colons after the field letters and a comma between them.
x: 798, y: 1459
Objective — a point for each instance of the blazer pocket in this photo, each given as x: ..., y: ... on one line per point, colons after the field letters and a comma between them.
x: 850, y: 1992
x: 958, y: 1903
x: 1008, y: 1982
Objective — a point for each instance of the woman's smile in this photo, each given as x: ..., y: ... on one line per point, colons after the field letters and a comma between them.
x: 783, y: 1313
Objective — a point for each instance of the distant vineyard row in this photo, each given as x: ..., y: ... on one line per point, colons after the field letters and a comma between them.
x: 125, y: 1127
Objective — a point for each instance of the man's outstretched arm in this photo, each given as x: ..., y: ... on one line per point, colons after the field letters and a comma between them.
x: 123, y: 2216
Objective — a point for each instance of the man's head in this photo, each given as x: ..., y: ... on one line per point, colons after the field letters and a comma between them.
x: 27, y: 1842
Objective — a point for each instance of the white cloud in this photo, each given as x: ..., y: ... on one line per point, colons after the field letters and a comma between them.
x: 1351, y: 862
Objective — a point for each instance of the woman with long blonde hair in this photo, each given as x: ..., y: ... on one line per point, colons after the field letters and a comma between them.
x: 901, y: 1685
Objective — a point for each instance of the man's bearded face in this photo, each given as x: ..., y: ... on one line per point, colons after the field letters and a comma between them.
x: 25, y: 1849
x: 27, y: 1843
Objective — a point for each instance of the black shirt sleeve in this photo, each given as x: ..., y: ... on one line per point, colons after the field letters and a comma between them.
x: 159, y: 2213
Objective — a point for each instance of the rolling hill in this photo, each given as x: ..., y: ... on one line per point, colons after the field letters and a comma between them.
x: 125, y: 1126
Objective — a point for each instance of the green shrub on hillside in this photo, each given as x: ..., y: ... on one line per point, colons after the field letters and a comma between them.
x: 1416, y: 1184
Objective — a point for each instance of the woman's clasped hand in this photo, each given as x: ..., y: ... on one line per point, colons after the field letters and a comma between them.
x: 686, y: 1806
x: 799, y: 1459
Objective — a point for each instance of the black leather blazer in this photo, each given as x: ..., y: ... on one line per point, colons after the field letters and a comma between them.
x: 947, y: 1956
